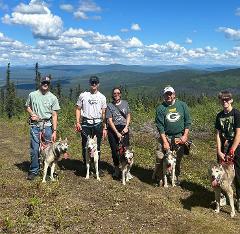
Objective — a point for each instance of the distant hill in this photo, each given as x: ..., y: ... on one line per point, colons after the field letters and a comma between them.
x: 192, y: 79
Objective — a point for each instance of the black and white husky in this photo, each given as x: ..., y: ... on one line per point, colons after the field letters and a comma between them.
x: 51, y: 154
x: 92, y: 154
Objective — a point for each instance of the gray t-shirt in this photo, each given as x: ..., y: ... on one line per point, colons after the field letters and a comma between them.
x: 113, y: 112
x: 42, y: 104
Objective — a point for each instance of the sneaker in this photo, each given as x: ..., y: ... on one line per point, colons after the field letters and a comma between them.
x: 31, y: 176
x: 223, y: 201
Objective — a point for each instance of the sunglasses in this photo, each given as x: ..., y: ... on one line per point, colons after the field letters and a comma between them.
x: 45, y: 83
x: 226, y: 99
x: 116, y: 93
x: 93, y: 83
x: 168, y: 93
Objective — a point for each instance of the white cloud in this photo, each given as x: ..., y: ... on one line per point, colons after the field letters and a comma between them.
x: 89, y: 6
x: 124, y: 30
x: 38, y: 17
x: 188, y: 41
x: 134, y: 42
x: 135, y: 27
x: 237, y: 12
x: 66, y: 7
x: 85, y: 7
x: 80, y: 15
x: 230, y: 33
x: 77, y: 46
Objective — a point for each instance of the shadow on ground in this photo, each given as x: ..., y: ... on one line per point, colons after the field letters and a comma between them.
x: 200, y: 197
x: 23, y: 166
x: 143, y: 174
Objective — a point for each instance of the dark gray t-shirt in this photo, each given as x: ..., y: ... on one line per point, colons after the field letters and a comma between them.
x: 113, y: 112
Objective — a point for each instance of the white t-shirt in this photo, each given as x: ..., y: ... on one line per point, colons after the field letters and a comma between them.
x: 91, y: 105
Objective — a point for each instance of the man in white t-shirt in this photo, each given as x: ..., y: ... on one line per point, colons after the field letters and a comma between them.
x: 90, y: 114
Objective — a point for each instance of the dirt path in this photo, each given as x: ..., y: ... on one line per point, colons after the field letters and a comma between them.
x: 74, y: 205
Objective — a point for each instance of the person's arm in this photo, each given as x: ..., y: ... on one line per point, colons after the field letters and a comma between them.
x: 78, y: 118
x: 160, y: 126
x: 33, y: 116
x: 112, y: 126
x: 128, y: 119
x: 54, y: 125
x: 104, y: 122
x: 220, y: 154
x: 184, y: 137
x: 187, y: 124
x: 236, y: 141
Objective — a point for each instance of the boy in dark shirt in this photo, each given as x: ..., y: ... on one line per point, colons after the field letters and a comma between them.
x: 228, y: 136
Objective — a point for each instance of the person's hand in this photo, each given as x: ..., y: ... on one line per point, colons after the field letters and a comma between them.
x: 183, y: 139
x: 231, y: 152
x: 78, y: 127
x: 166, y: 146
x: 119, y: 135
x: 125, y: 130
x: 221, y: 156
x: 34, y: 117
x: 54, y: 136
x: 104, y: 133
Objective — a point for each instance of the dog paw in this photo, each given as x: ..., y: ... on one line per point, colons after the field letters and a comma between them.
x: 53, y: 179
x: 87, y: 177
x: 165, y: 186
x: 217, y: 211
x: 232, y: 214
x: 43, y: 181
x: 98, y: 178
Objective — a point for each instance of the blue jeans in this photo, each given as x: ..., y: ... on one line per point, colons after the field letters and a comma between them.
x: 34, y: 146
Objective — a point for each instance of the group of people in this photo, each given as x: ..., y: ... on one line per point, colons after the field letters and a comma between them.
x: 95, y: 117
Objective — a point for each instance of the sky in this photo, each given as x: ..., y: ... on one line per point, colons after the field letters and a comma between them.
x: 130, y: 32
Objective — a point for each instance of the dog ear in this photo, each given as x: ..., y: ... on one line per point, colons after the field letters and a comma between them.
x: 66, y: 139
x: 95, y: 138
x: 60, y: 138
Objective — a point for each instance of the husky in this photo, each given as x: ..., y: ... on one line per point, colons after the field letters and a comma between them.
x: 92, y: 154
x: 169, y: 163
x: 126, y: 162
x: 51, y: 154
x: 222, y: 176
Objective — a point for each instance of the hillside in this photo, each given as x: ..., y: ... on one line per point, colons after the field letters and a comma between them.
x: 137, y: 78
x: 74, y: 205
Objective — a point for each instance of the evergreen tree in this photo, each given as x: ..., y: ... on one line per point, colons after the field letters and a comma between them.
x: 59, y: 89
x: 71, y: 94
x: 2, y: 105
x: 10, y: 95
x: 78, y: 91
x: 37, y: 77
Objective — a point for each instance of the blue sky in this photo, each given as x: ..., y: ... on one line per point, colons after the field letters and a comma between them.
x: 153, y: 32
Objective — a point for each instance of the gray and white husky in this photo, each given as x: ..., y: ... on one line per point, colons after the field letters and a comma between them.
x: 222, y: 177
x: 51, y: 154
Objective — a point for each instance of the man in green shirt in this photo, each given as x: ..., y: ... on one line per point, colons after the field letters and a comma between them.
x: 173, y: 122
x: 42, y: 107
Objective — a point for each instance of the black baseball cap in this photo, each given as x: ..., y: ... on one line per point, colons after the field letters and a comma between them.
x: 94, y: 79
x: 45, y: 79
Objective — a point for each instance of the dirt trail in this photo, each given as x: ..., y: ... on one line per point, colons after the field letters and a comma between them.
x: 74, y: 205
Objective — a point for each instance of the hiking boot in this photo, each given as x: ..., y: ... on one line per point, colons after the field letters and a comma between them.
x: 116, y: 173
x: 178, y: 181
x: 31, y: 176
x: 238, y: 205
